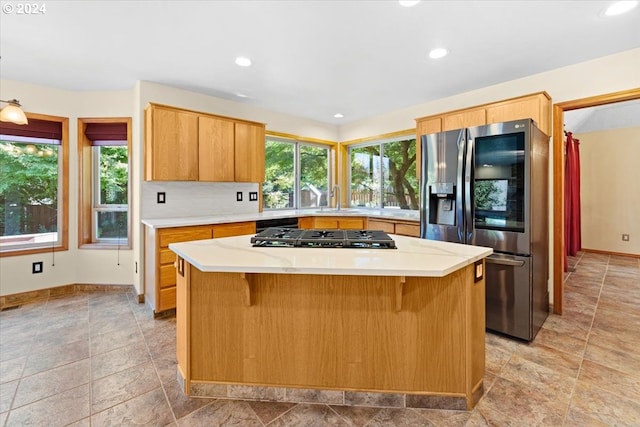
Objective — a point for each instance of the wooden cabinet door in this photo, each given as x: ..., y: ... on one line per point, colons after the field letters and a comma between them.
x: 249, y: 152
x: 172, y: 145
x: 306, y: 222
x: 165, y: 270
x: 463, y: 119
x: 425, y: 127
x: 407, y: 229
x: 351, y: 223
x: 536, y: 107
x: 386, y: 226
x: 325, y: 222
x: 216, y: 152
x: 234, y: 229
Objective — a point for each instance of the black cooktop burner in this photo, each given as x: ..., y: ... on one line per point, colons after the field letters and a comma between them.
x: 287, y: 237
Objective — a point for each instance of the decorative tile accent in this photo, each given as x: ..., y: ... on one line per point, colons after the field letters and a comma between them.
x: 209, y: 390
x: 302, y: 395
x: 436, y: 402
x: 257, y: 393
x: 384, y: 400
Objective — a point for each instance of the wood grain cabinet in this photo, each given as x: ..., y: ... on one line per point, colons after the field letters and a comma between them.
x: 393, y: 226
x: 184, y: 145
x: 536, y: 106
x: 171, y: 145
x: 160, y: 271
x: 216, y: 149
x: 329, y: 222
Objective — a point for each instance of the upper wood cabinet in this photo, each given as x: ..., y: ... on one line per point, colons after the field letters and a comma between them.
x: 249, y: 152
x: 216, y: 153
x: 171, y: 145
x: 536, y: 106
x: 463, y: 119
x: 184, y: 145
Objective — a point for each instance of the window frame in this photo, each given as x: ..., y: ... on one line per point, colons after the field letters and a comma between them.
x: 368, y: 142
x: 62, y: 243
x: 88, y: 187
x: 307, y: 142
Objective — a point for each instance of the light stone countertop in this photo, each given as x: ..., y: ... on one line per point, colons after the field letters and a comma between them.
x: 413, y: 257
x: 396, y: 214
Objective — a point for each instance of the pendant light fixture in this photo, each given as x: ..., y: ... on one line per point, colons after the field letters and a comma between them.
x: 13, y: 113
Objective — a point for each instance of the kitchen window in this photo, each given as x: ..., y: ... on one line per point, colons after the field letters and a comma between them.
x: 104, y: 166
x: 297, y: 174
x: 382, y: 174
x: 34, y: 180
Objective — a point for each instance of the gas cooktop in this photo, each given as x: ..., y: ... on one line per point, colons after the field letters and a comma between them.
x: 291, y: 237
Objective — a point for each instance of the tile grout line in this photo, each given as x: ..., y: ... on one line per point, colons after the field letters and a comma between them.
x: 153, y: 363
x: 586, y: 343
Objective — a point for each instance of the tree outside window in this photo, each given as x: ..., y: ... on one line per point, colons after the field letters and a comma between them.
x: 29, y: 171
x: 383, y: 174
x: 297, y: 174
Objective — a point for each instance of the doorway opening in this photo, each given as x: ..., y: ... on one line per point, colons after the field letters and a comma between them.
x: 558, y: 179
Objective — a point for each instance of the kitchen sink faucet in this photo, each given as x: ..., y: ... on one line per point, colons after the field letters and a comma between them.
x: 335, y: 192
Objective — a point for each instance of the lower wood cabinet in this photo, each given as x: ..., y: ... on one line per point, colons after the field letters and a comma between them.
x: 393, y: 226
x: 160, y: 271
x: 329, y: 222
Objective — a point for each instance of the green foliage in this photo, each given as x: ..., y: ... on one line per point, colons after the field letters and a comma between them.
x: 484, y: 194
x: 114, y: 175
x: 398, y: 172
x: 28, y: 177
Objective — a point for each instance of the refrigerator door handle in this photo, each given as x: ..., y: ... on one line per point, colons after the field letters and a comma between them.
x: 462, y: 238
x: 468, y: 183
x: 504, y: 261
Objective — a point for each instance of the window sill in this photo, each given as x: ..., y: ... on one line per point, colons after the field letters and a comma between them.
x: 109, y: 246
x: 30, y: 251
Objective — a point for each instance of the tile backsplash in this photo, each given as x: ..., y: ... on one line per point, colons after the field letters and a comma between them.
x: 183, y: 199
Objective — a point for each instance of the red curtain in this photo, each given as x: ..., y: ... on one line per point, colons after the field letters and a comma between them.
x: 572, y: 237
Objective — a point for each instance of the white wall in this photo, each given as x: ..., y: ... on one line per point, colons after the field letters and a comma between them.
x: 610, y: 198
x: 74, y: 265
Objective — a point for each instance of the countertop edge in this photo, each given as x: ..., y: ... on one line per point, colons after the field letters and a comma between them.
x: 257, y: 216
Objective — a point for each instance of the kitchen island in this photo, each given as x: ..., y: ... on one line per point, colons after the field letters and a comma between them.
x: 398, y: 327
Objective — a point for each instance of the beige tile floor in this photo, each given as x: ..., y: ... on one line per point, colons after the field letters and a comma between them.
x: 99, y: 359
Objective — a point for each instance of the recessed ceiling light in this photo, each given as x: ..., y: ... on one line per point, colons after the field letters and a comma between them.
x: 241, y: 95
x: 438, y: 53
x: 338, y: 115
x: 408, y: 3
x: 243, y: 61
x: 620, y: 7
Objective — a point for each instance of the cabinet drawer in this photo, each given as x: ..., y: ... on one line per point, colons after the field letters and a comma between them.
x: 167, y: 256
x: 235, y: 229
x: 412, y: 230
x: 351, y: 223
x: 387, y: 227
x: 167, y: 299
x: 320, y: 222
x: 167, y: 276
x: 183, y: 234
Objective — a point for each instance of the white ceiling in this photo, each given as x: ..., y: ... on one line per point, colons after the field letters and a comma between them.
x: 310, y: 58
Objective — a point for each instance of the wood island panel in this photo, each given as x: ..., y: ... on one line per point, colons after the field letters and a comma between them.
x: 333, y: 332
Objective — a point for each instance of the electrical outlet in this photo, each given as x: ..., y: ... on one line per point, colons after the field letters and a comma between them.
x: 162, y: 197
x: 239, y: 196
x: 136, y: 267
x: 625, y: 237
x: 253, y: 196
x: 37, y: 267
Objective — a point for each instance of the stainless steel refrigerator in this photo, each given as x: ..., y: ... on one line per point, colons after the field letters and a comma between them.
x: 488, y: 186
